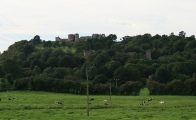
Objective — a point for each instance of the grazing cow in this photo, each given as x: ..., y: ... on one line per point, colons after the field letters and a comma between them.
x: 91, y: 99
x: 150, y: 99
x: 14, y: 98
x: 105, y: 102
x: 143, y: 103
x: 58, y: 102
x: 0, y: 99
x: 161, y: 102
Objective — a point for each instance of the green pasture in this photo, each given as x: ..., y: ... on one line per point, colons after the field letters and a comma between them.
x: 41, y: 106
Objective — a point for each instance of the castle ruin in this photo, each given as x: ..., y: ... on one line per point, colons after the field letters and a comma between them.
x: 75, y: 37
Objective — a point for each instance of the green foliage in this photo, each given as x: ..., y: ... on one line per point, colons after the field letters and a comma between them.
x: 162, y: 75
x: 47, y: 44
x: 112, y: 66
x: 101, y: 89
x: 37, y: 70
x: 80, y: 46
x: 190, y: 87
x: 36, y: 40
x: 101, y: 59
x: 155, y: 54
x: 122, y: 74
x: 78, y: 74
x: 176, y: 87
x: 61, y: 72
x: 49, y: 72
x: 172, y: 59
x: 118, y: 47
x: 134, y: 71
x: 12, y: 68
x: 92, y: 72
x: 156, y: 88
x: 100, y: 79
x: 131, y: 88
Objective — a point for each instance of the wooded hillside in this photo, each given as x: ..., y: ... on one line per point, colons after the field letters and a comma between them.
x: 165, y: 64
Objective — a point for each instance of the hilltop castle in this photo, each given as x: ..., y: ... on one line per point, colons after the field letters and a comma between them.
x: 75, y: 37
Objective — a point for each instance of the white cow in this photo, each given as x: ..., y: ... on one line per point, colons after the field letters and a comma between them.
x: 161, y: 102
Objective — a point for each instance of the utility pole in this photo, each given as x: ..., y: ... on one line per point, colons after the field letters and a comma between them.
x: 87, y: 88
x: 87, y: 92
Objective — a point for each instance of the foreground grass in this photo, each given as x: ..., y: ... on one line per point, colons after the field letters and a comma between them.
x: 40, y: 106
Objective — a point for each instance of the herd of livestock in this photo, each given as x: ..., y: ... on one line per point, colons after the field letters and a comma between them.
x: 92, y: 99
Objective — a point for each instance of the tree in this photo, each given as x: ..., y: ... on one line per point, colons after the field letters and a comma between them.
x: 179, y: 45
x: 156, y: 88
x: 100, y: 79
x: 80, y: 46
x: 187, y: 68
x: 36, y: 40
x: 63, y: 43
x: 190, y: 45
x: 134, y: 72
x: 108, y: 44
x: 155, y: 54
x: 190, y: 87
x: 162, y: 75
x: 182, y: 34
x: 49, y: 71
x: 34, y: 63
x: 2, y: 83
x: 78, y: 74
x: 112, y: 66
x: 131, y: 88
x: 60, y: 72
x: 47, y: 44
x: 43, y: 83
x: 118, y: 47
x: 11, y: 67
x: 37, y: 70
x: 57, y: 53
x: 145, y: 46
x: 112, y: 37
x: 52, y: 61
x: 101, y: 59
x: 56, y: 44
x: 171, y: 34
x: 22, y: 84
x: 45, y: 54
x: 92, y: 72
x: 175, y: 87
x: 122, y: 74
x: 101, y: 89
x: 67, y: 61
x: 98, y: 46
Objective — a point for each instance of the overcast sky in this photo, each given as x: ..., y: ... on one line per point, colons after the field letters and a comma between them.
x: 23, y: 19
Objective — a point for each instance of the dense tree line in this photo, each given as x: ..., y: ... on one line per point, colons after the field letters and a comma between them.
x: 174, y: 87
x: 169, y: 68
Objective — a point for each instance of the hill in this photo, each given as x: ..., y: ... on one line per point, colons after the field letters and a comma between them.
x: 164, y: 64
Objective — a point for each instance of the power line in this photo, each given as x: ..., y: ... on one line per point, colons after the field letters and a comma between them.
x: 6, y: 38
x: 12, y: 23
x: 16, y: 36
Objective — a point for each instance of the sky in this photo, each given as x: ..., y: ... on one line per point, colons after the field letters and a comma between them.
x: 23, y: 19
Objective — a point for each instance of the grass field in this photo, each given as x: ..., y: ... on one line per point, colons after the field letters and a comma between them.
x: 41, y: 106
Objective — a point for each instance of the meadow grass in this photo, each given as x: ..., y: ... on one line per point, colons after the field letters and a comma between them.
x: 41, y: 106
